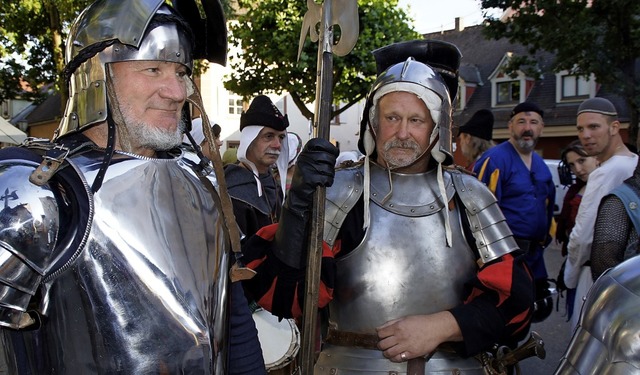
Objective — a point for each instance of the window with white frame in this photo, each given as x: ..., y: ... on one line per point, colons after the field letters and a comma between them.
x: 235, y: 105
x: 574, y: 86
x: 571, y: 87
x: 508, y: 92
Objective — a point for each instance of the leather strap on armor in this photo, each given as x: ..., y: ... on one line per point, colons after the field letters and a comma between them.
x: 359, y: 340
x: 366, y: 340
x: 415, y: 366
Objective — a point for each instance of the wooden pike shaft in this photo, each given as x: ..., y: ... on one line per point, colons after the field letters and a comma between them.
x: 323, y: 107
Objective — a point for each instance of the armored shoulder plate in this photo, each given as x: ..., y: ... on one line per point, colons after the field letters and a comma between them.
x: 489, y: 228
x: 341, y: 197
x: 40, y: 229
x: 606, y: 340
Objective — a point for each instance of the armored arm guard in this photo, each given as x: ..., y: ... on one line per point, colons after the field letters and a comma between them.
x: 489, y: 228
x: 41, y: 229
x: 349, y: 186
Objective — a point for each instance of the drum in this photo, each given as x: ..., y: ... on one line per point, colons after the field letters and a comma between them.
x: 280, y: 340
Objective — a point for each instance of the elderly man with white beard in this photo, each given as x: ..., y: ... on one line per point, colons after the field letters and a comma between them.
x: 256, y: 195
x: 522, y: 183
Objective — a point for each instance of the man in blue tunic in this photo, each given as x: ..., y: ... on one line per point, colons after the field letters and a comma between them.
x: 523, y: 185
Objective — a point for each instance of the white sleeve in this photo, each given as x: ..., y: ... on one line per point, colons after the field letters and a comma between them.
x: 581, y: 235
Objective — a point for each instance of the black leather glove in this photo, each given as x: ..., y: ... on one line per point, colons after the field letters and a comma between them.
x: 315, y: 167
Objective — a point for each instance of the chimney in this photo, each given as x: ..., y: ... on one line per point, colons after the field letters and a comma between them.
x: 459, y: 24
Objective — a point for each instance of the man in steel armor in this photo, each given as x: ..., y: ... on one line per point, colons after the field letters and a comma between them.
x: 419, y: 271
x: 114, y: 254
x: 606, y: 340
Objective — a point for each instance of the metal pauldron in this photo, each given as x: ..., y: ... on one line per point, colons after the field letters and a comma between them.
x: 29, y: 236
x: 489, y: 228
x: 606, y: 340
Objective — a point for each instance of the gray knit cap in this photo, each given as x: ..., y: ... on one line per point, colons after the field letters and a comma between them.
x: 598, y: 105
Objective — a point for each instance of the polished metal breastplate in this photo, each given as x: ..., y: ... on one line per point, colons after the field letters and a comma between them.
x: 403, y: 266
x: 144, y: 296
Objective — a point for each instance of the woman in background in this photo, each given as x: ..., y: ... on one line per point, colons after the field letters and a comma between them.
x: 574, y: 162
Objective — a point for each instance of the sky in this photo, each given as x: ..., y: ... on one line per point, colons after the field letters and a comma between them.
x: 437, y: 15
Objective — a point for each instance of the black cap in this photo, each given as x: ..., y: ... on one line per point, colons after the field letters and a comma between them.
x: 442, y: 56
x: 527, y: 107
x: 262, y: 112
x: 479, y: 125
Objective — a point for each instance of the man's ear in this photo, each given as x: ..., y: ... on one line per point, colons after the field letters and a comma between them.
x: 614, y: 127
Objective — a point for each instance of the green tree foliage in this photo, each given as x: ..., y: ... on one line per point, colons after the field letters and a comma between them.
x: 31, y: 43
x: 269, y: 32
x: 587, y: 36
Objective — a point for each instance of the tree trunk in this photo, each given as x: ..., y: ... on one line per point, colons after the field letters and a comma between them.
x: 55, y: 25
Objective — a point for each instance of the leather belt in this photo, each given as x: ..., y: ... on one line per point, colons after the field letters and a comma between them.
x: 359, y: 340
x: 415, y: 366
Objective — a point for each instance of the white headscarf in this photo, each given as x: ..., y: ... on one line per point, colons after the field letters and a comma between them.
x: 247, y: 136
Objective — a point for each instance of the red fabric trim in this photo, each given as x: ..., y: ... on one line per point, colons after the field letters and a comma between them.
x: 520, y: 319
x: 268, y: 232
x: 500, y: 278
x: 256, y: 263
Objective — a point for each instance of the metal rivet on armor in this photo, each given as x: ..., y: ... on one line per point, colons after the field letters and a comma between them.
x: 117, y: 49
x: 375, y: 194
x: 177, y: 54
x: 333, y: 371
x: 486, y: 255
x: 474, y: 209
x: 349, y: 186
x: 462, y: 190
x: 477, y: 227
x: 431, y: 207
x: 391, y: 205
x: 413, y: 210
x: 96, y: 84
x: 633, y: 205
x: 481, y: 243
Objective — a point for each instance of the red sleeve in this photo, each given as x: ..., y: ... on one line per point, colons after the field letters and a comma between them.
x: 278, y: 287
x: 498, y: 307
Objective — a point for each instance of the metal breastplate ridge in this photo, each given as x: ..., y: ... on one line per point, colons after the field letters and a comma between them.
x: 403, y: 266
x: 144, y: 296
